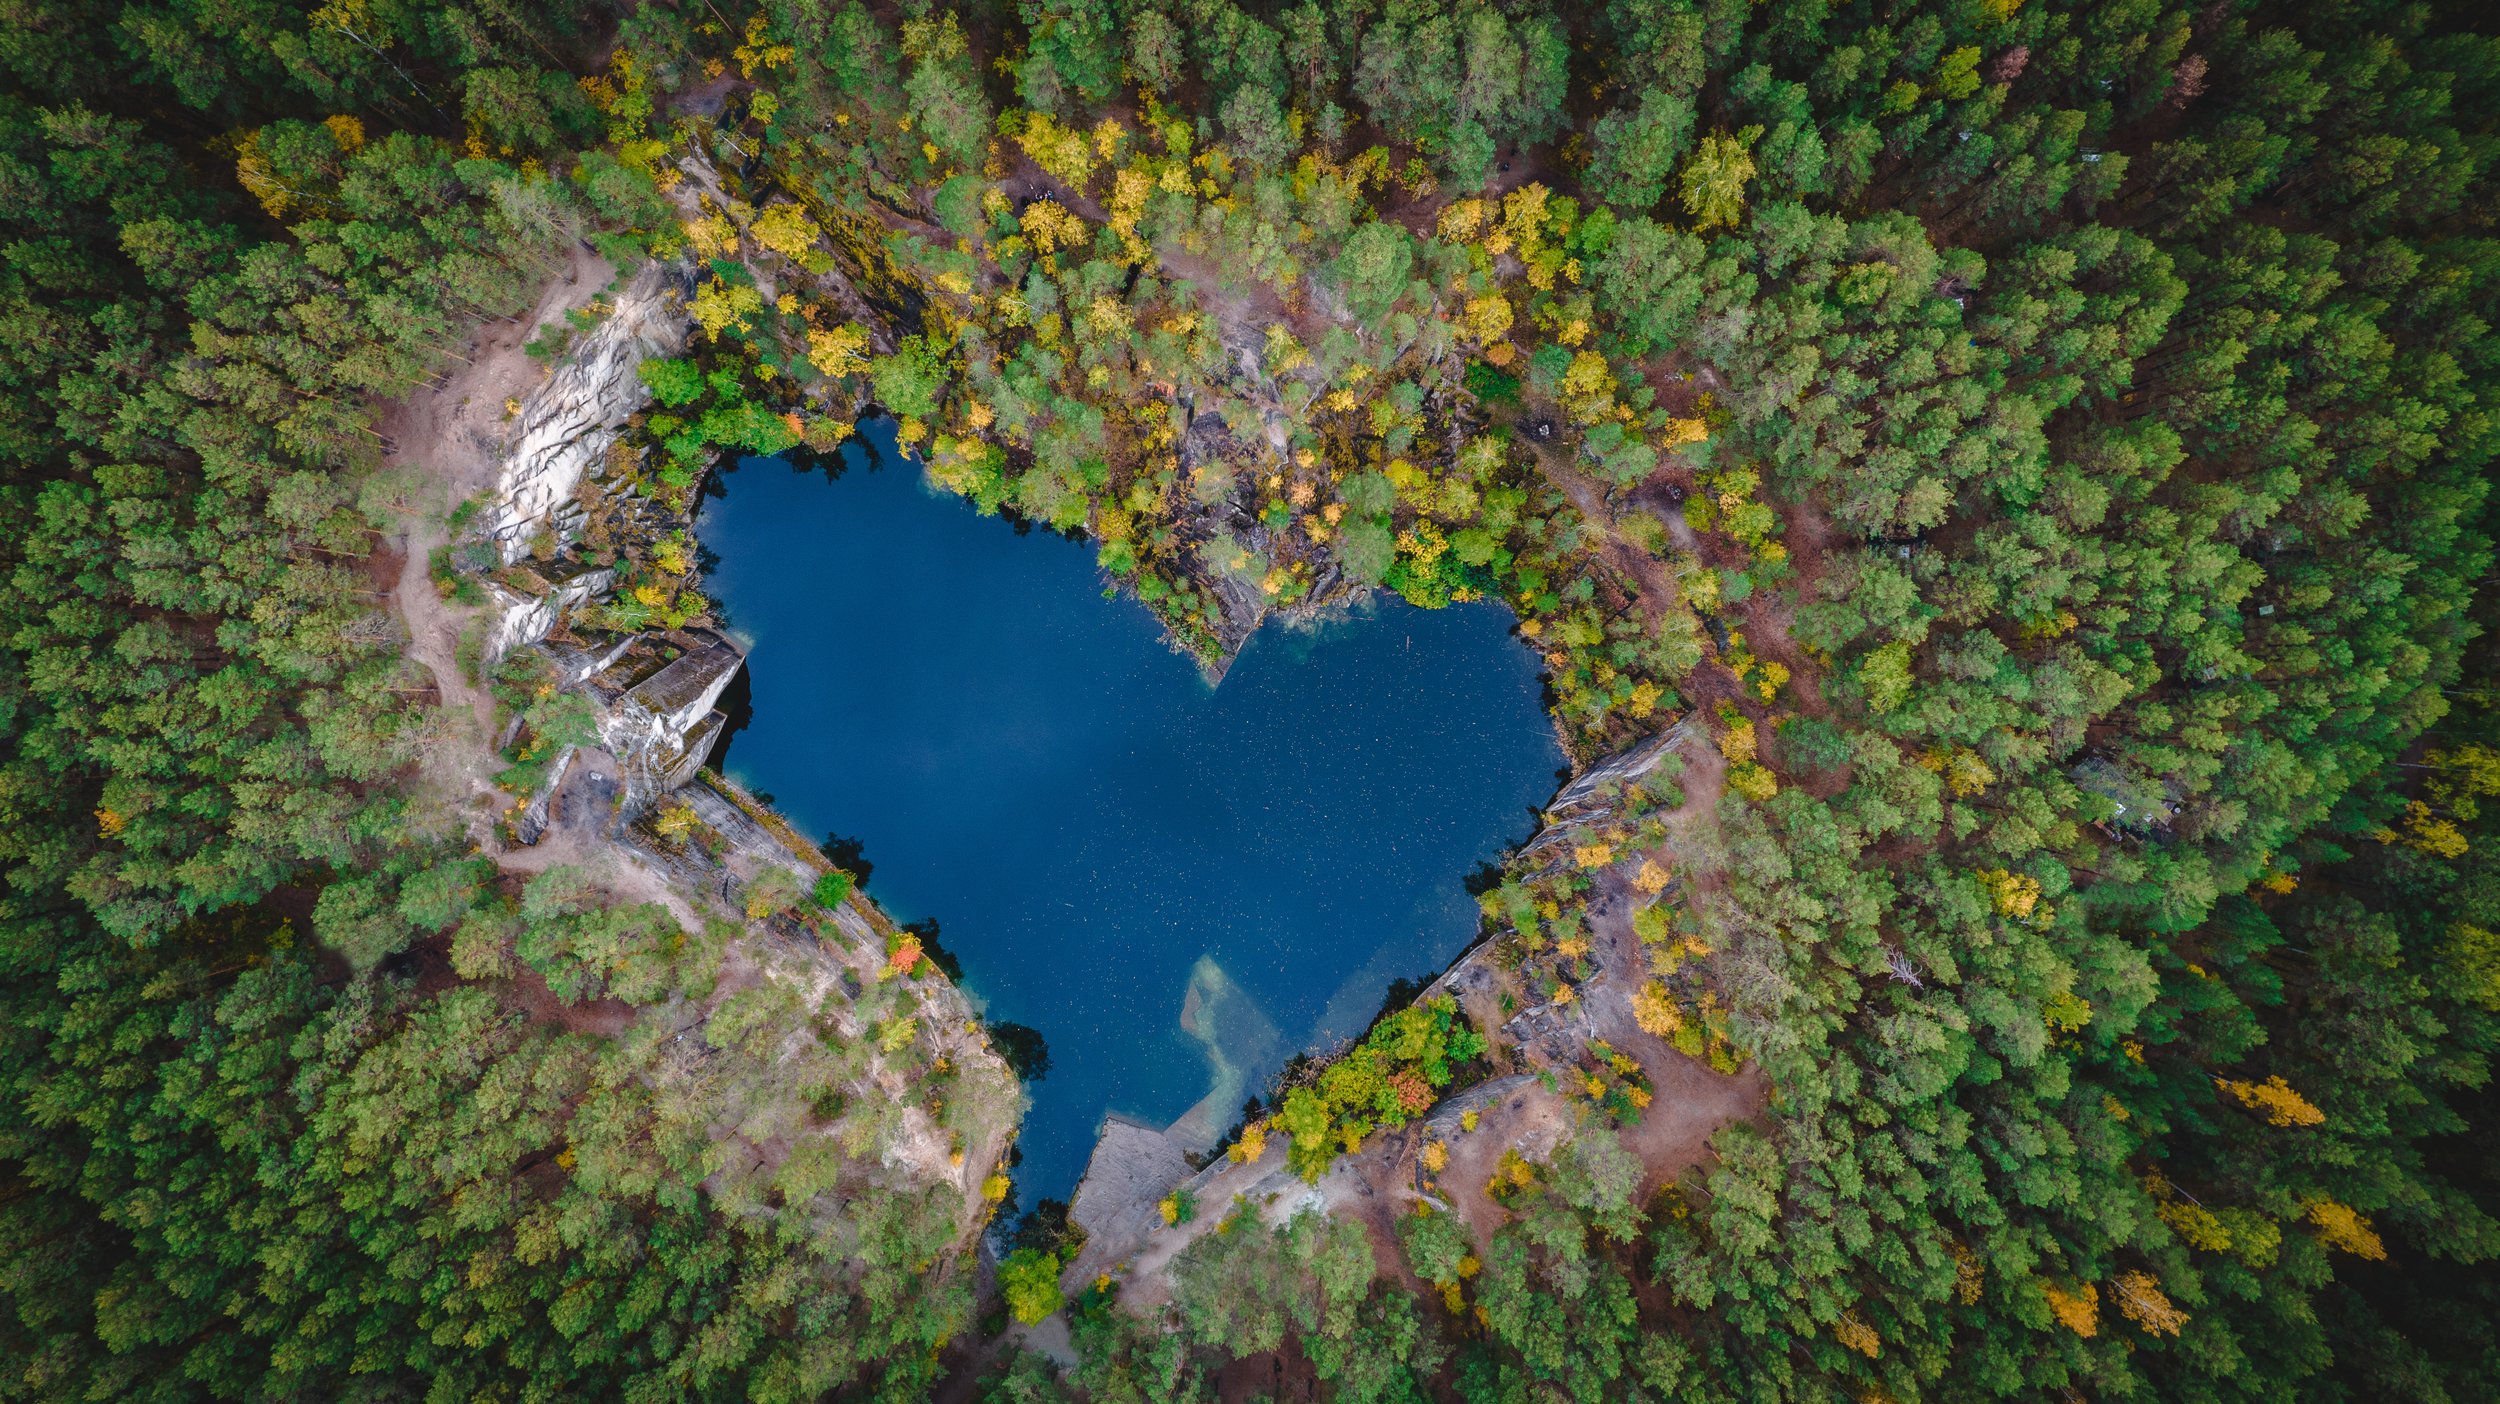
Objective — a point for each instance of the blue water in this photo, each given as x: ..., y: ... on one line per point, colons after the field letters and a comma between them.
x: 1026, y: 762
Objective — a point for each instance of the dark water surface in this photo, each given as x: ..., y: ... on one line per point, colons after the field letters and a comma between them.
x: 1101, y: 837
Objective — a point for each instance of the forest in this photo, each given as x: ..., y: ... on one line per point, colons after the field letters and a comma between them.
x: 2042, y: 447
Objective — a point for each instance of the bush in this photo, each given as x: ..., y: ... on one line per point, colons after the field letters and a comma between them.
x: 774, y: 891
x: 833, y: 889
x: 1393, y: 1076
x: 1494, y: 387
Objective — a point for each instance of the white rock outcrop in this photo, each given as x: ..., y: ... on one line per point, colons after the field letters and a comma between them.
x: 657, y: 710
x: 1118, y: 1202
x: 567, y: 423
x: 521, y: 617
x: 1594, y: 797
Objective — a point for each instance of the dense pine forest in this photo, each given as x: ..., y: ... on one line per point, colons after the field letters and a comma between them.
x: 2041, y: 449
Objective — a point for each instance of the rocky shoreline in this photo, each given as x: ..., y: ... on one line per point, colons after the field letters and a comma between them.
x: 636, y: 792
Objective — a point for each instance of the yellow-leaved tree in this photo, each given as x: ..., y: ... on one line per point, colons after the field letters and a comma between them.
x: 1715, y: 177
x: 2140, y: 1300
x: 2341, y: 1226
x: 2078, y: 1311
x: 786, y: 230
x: 2281, y: 1104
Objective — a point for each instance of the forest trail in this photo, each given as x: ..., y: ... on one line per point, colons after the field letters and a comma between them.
x: 451, y: 433
x: 1656, y: 591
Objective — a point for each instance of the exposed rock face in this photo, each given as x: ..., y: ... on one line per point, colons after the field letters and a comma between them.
x: 524, y: 616
x: 1594, y: 796
x: 1133, y: 1167
x: 1243, y: 604
x: 576, y: 662
x: 742, y: 845
x: 657, y: 710
x: 1591, y: 800
x: 567, y: 423
x: 656, y: 691
x: 735, y: 838
x: 532, y: 825
x: 658, y: 721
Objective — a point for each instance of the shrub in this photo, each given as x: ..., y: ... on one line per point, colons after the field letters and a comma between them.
x: 672, y: 383
x: 833, y: 889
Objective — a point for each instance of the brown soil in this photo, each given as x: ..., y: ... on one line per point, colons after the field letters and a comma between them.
x: 527, y: 992
x: 1690, y: 1101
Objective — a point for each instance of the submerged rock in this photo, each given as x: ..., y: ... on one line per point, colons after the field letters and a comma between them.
x: 1239, y: 1040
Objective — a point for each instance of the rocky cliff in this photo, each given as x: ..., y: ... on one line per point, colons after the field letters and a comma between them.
x: 524, y: 606
x: 655, y: 691
x: 566, y: 425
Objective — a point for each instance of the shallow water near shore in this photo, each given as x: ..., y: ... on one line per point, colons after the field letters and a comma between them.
x: 1179, y: 886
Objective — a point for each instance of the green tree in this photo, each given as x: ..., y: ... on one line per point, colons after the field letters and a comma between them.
x: 833, y: 888
x: 1634, y: 151
x: 1714, y: 180
x: 1074, y: 52
x: 673, y: 383
x: 1155, y: 51
x: 1255, y: 126
x: 1374, y: 267
x: 947, y: 104
x: 1029, y: 1278
x: 910, y: 382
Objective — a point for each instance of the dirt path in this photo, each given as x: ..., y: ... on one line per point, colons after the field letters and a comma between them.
x: 1690, y: 1101
x: 1658, y: 589
x: 451, y: 434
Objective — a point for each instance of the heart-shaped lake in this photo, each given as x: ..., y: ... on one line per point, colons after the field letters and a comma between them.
x: 1178, y: 885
